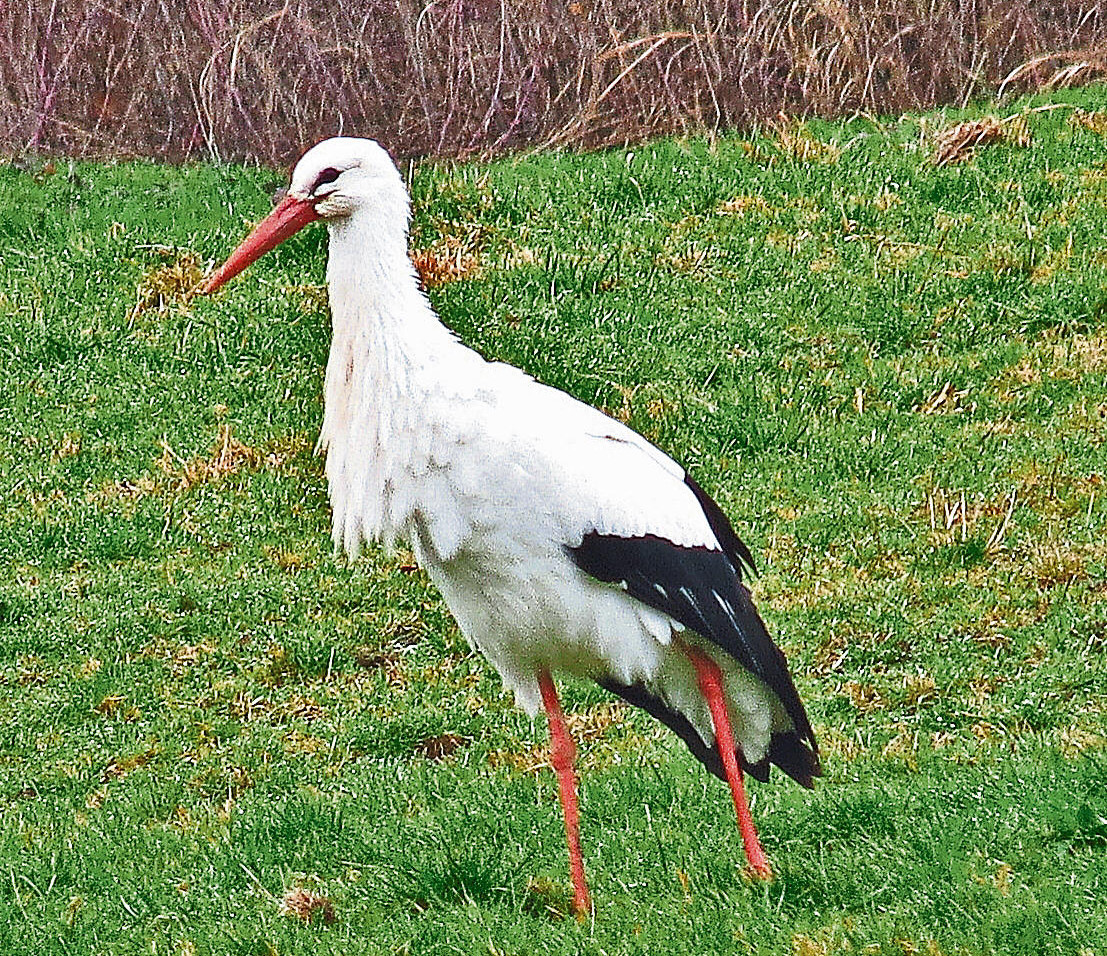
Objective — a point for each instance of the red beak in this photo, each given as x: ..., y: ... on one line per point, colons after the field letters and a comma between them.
x: 287, y: 219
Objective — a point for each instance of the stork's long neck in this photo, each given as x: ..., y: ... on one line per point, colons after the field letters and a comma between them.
x: 374, y: 289
x: 391, y: 362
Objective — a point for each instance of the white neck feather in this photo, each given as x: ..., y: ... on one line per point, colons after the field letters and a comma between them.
x: 391, y: 364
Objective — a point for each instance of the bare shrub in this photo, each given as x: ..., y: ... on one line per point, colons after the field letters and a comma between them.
x: 235, y: 79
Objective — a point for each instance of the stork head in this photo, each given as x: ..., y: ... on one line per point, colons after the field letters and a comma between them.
x: 333, y: 181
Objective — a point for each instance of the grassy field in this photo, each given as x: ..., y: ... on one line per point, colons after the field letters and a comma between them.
x: 216, y: 737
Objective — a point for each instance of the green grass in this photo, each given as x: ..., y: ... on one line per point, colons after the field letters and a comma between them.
x: 892, y: 376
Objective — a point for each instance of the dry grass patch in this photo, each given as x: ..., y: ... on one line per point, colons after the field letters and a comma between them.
x: 525, y: 762
x: 448, y: 259
x: 830, y: 655
x: 179, y: 658
x: 743, y: 205
x: 1057, y: 261
x: 689, y: 247
x: 825, y: 942
x: 603, y: 733
x: 228, y: 456
x: 246, y: 706
x: 1002, y: 619
x: 1052, y: 564
x: 388, y: 662
x: 836, y: 579
x: 545, y: 898
x: 68, y: 446
x: 864, y: 697
x: 123, y: 490
x: 224, y: 783
x: 826, y: 261
x: 955, y: 516
x: 285, y: 559
x: 833, y: 743
x: 1026, y: 371
x: 120, y: 767
x: 903, y: 747
x: 168, y: 286
x: 1094, y: 120
x: 595, y: 722
x: 1080, y: 355
x: 919, y: 690
x: 1054, y: 494
x: 455, y: 250
x: 89, y: 667
x: 307, y: 905
x: 32, y: 671
x: 1077, y: 740
x: 94, y: 799
x: 297, y: 742
x: 299, y: 707
x: 960, y: 143
x: 312, y: 299
x: 440, y: 746
x: 798, y: 143
x: 945, y: 399
x: 887, y: 199
x: 110, y: 706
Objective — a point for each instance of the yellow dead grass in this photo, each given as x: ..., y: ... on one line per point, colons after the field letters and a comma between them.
x: 741, y: 205
x: 795, y: 140
x: 946, y: 399
x: 168, y: 286
x: 228, y: 456
x: 306, y: 905
x: 961, y: 142
x: 1094, y: 120
x: 178, y: 657
x: 1080, y: 355
x: 447, y: 259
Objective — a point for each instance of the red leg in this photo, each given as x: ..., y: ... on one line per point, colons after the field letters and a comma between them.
x: 562, y: 753
x: 711, y: 685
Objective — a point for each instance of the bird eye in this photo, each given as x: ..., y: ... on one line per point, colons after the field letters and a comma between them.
x: 328, y: 175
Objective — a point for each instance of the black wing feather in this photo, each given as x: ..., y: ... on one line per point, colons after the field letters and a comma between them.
x: 702, y: 588
x: 786, y: 750
x: 733, y: 546
x: 639, y: 696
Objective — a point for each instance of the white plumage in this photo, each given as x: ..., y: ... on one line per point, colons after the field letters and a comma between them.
x: 521, y: 502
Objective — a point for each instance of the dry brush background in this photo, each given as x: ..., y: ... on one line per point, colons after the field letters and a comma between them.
x: 233, y: 80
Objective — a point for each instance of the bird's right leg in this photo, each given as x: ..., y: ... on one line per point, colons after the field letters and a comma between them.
x: 710, y: 679
x: 562, y: 753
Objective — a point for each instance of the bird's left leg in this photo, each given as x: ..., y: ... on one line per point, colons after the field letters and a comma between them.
x: 562, y: 753
x: 710, y: 679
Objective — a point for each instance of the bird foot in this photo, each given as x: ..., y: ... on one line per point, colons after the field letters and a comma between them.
x: 759, y: 873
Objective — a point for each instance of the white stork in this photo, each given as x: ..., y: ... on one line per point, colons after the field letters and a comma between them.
x: 560, y: 539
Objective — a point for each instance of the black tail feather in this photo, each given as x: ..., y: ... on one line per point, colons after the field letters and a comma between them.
x: 637, y: 695
x: 791, y: 754
x: 786, y: 749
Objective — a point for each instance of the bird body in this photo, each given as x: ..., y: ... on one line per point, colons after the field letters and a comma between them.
x: 490, y: 476
x: 560, y: 539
